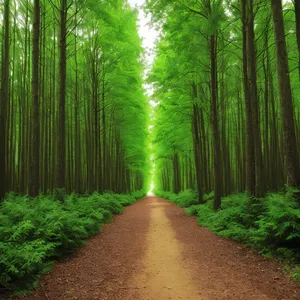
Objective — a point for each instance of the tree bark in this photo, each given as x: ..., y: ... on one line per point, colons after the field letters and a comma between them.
x: 215, y: 124
x: 297, y: 16
x: 250, y: 150
x: 176, y: 170
x: 253, y: 94
x: 4, y: 99
x: 61, y: 142
x: 35, y: 138
x: 286, y: 101
x: 197, y: 150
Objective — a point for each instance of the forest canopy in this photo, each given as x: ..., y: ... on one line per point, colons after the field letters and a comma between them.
x: 80, y: 137
x: 73, y: 109
x: 226, y: 78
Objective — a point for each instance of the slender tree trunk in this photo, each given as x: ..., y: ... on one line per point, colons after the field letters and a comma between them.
x: 105, y: 174
x: 4, y: 99
x: 251, y: 55
x: 35, y: 160
x: 250, y: 151
x: 61, y: 142
x: 286, y: 101
x: 215, y: 124
x: 176, y: 170
x: 197, y: 150
x: 297, y: 15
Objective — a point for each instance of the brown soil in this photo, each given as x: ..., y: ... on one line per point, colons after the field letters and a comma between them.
x: 226, y: 270
x: 163, y: 275
x: 154, y: 251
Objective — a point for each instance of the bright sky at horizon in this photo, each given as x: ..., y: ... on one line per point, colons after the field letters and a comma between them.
x: 146, y: 31
x: 150, y: 36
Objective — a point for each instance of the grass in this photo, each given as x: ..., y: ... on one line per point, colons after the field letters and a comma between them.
x: 36, y: 231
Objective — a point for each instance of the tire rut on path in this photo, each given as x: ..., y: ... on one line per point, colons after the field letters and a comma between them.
x: 155, y: 252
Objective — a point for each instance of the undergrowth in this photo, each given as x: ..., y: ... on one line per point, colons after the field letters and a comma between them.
x: 36, y: 231
x: 183, y: 199
x: 271, y: 225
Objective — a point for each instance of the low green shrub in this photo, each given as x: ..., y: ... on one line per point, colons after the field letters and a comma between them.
x: 183, y: 199
x: 270, y: 225
x: 165, y: 195
x: 186, y: 198
x: 192, y: 210
x: 280, y: 224
x: 296, y: 273
x: 34, y: 231
x: 138, y: 194
x: 209, y: 196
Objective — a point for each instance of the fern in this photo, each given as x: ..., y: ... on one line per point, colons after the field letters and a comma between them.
x: 271, y: 225
x: 35, y: 231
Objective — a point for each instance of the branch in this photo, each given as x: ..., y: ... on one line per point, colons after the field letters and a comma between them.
x: 54, y: 5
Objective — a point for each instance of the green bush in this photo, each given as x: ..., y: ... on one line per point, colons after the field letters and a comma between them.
x: 296, y: 273
x: 183, y: 199
x: 34, y: 231
x: 192, y: 210
x: 272, y: 222
x: 138, y: 194
x: 186, y: 198
x: 280, y: 225
x: 209, y: 196
x: 271, y: 225
x: 165, y: 195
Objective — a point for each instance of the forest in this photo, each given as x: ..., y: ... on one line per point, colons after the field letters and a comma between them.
x: 81, y: 136
x: 227, y: 80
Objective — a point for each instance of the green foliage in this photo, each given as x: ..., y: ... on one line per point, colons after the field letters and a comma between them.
x: 271, y: 225
x: 59, y: 194
x: 138, y: 194
x: 186, y: 198
x: 296, y: 273
x: 209, y: 196
x: 165, y: 195
x: 280, y: 225
x: 105, y: 99
x: 183, y: 199
x: 192, y: 210
x: 35, y: 231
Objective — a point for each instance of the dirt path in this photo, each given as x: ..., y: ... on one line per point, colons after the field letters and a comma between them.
x: 153, y: 251
x: 164, y: 275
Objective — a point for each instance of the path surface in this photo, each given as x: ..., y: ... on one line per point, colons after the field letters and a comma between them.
x: 154, y: 251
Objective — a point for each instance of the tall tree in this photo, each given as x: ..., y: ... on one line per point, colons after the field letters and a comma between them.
x: 34, y: 178
x: 4, y: 98
x: 49, y: 88
x: 286, y: 100
x: 253, y: 96
x: 250, y: 149
x: 61, y: 142
x: 297, y: 19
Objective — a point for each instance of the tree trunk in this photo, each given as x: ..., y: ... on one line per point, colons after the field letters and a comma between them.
x: 35, y: 138
x: 286, y: 101
x: 253, y: 94
x: 4, y: 99
x: 214, y: 123
x: 250, y: 150
x: 197, y: 150
x: 61, y: 142
x: 297, y: 15
x: 176, y: 171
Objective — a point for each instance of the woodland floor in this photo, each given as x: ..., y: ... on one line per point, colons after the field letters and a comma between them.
x: 154, y: 251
